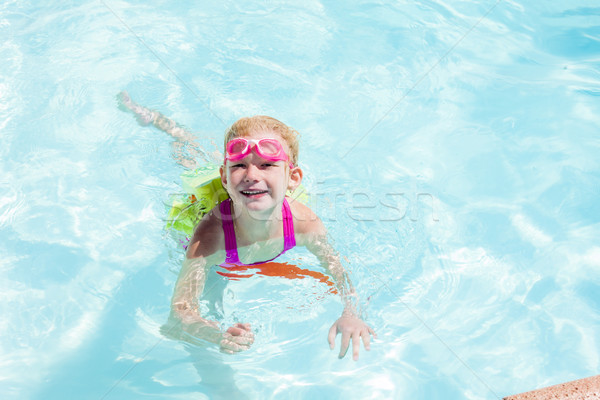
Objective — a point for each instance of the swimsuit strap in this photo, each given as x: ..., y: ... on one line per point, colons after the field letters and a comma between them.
x: 231, y: 253
x: 289, y: 239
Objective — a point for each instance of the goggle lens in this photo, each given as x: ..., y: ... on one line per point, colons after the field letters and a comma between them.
x: 269, y: 147
x: 236, y: 147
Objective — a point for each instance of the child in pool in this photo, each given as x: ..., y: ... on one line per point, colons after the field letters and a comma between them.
x: 253, y: 225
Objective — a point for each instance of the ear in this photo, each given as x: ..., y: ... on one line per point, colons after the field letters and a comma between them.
x: 223, y: 175
x: 295, y: 178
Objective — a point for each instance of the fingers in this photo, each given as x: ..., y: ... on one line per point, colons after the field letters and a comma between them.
x: 355, y: 345
x: 237, y: 338
x: 345, y: 343
x: 366, y: 341
x: 372, y: 332
x: 353, y: 335
x: 331, y: 336
x: 234, y: 344
x: 239, y: 329
x: 243, y: 326
x: 366, y: 337
x: 235, y: 331
x: 230, y: 347
x: 346, y: 337
x: 246, y: 339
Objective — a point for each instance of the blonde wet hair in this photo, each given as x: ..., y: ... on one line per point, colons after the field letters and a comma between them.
x: 245, y: 126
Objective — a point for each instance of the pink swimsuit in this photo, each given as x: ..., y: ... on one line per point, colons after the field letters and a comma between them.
x: 231, y: 257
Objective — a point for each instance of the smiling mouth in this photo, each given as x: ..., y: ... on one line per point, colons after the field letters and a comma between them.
x: 253, y: 192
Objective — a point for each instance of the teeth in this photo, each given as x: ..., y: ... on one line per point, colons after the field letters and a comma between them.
x: 254, y: 191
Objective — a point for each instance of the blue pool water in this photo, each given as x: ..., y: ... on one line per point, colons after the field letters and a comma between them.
x: 451, y: 148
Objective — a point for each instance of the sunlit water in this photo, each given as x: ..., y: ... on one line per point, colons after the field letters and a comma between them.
x: 451, y: 148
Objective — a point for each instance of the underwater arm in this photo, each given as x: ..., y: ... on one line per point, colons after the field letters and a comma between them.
x: 350, y: 324
x: 330, y: 261
x: 185, y: 322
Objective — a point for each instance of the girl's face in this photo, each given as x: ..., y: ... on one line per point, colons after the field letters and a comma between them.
x: 255, y: 183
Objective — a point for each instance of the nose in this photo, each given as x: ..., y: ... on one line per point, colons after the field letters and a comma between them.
x: 252, y: 172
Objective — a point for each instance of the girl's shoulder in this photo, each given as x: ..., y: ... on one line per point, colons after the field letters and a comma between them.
x: 306, y: 222
x: 208, y: 239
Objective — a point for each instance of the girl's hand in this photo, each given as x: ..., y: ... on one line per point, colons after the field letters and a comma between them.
x: 237, y: 338
x: 354, y: 328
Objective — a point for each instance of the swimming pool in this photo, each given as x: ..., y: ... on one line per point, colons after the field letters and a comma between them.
x: 451, y: 149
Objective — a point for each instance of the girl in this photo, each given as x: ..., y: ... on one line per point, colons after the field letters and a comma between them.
x: 256, y: 224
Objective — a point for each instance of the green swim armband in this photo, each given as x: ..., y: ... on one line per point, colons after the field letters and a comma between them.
x: 203, y: 190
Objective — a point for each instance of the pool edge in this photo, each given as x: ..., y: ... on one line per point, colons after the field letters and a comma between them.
x: 581, y: 389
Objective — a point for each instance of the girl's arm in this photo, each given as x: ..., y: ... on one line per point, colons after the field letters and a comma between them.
x: 350, y: 324
x: 320, y: 246
x: 186, y: 323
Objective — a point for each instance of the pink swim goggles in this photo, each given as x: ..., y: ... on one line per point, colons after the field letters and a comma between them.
x: 269, y: 149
